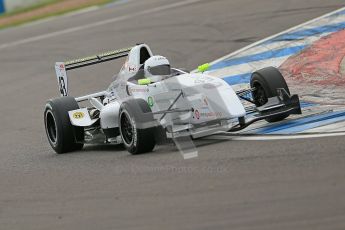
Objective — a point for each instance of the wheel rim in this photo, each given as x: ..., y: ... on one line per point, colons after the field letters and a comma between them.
x: 51, y: 127
x: 127, y: 128
x: 260, y: 95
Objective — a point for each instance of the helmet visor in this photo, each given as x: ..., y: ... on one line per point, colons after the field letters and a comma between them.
x: 160, y: 70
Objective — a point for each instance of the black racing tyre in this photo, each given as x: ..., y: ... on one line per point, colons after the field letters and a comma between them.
x: 266, y: 82
x: 134, y: 114
x: 61, y: 134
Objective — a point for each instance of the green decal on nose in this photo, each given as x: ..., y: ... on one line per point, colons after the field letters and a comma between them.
x: 150, y: 101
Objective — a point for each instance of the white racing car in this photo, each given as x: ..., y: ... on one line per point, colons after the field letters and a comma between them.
x: 149, y: 102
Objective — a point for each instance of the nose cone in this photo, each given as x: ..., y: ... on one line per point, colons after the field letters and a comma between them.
x: 222, y: 100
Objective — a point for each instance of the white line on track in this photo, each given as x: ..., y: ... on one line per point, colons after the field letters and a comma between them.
x: 273, y: 137
x: 96, y: 24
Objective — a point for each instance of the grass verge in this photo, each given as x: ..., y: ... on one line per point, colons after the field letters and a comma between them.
x: 46, y: 9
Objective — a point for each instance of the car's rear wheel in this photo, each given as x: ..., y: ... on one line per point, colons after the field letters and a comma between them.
x: 136, y: 128
x: 266, y: 82
x: 62, y: 135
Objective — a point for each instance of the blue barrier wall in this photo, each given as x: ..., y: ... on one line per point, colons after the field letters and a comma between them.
x: 12, y: 5
x: 2, y: 7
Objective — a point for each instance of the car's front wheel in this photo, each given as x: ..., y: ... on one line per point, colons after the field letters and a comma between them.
x: 136, y: 126
x: 266, y: 82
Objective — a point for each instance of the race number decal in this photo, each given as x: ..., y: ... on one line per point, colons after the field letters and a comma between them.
x: 62, y: 78
x: 62, y: 86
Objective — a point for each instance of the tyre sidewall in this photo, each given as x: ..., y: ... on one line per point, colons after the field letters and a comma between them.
x: 125, y: 111
x: 58, y: 145
x: 138, y: 112
x: 270, y: 79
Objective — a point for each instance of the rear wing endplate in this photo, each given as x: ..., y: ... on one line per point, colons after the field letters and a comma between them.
x: 61, y: 68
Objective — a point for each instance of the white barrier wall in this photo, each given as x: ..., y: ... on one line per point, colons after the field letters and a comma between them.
x: 11, y: 5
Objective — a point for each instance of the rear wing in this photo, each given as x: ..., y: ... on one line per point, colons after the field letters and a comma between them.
x: 61, y: 68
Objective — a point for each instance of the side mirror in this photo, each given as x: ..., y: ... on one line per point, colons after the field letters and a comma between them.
x: 144, y: 81
x: 204, y: 67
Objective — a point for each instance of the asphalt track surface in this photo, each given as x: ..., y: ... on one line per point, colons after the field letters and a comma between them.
x: 282, y: 184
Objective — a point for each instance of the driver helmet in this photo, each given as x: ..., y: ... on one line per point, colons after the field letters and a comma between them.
x: 157, y: 68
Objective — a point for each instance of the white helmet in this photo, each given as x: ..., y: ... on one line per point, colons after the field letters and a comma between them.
x: 157, y: 68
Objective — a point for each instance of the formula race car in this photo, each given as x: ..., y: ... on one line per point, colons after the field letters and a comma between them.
x: 149, y: 102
